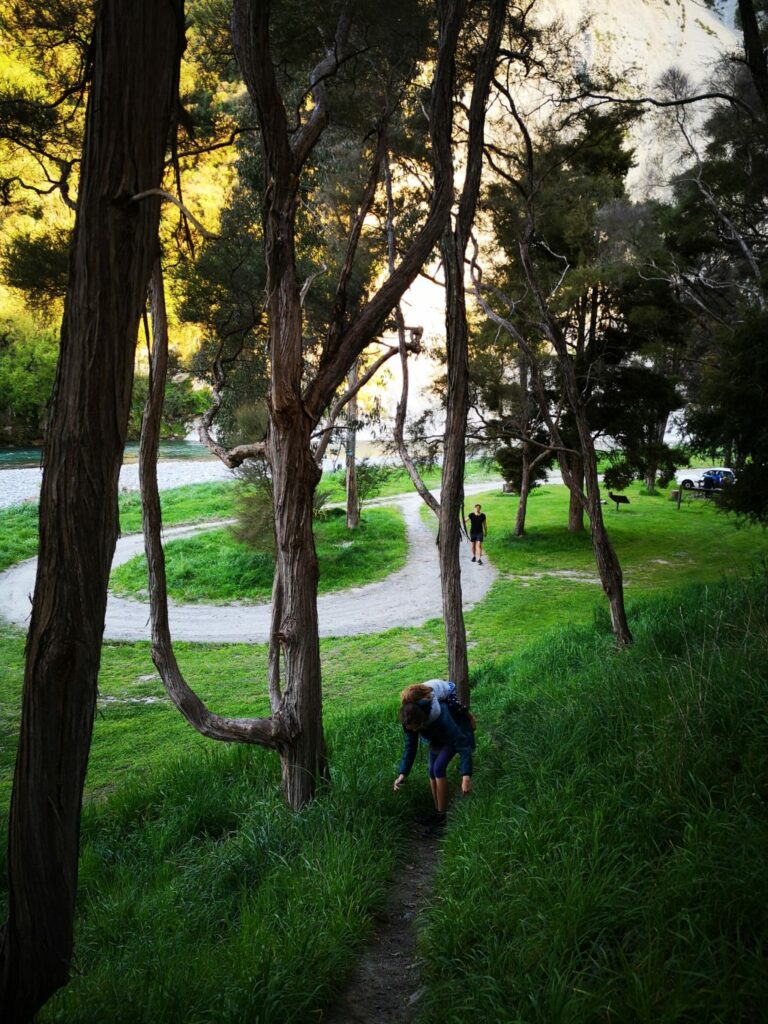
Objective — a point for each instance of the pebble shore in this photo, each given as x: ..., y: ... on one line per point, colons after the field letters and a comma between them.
x: 20, y: 485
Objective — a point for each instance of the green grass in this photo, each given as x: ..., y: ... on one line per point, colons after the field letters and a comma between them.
x: 398, y: 481
x: 18, y: 534
x: 203, y: 898
x: 609, y: 865
x: 195, y: 503
x: 613, y: 867
x: 215, y: 567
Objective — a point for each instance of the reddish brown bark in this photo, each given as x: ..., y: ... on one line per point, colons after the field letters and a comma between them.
x: 127, y: 127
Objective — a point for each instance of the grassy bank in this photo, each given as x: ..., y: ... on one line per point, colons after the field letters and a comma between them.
x: 609, y: 865
x: 614, y: 867
x: 203, y: 899
x: 215, y: 567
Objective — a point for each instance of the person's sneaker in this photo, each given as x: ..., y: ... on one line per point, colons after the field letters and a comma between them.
x: 479, y: 561
x: 473, y: 558
x: 436, y: 828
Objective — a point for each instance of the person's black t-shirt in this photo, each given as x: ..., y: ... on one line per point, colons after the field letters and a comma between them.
x: 476, y: 525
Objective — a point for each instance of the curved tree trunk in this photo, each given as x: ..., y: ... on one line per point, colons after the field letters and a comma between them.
x: 608, y: 565
x: 129, y: 117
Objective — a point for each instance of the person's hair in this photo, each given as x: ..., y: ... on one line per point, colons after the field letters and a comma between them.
x: 413, y: 716
x: 478, y: 506
x: 416, y: 692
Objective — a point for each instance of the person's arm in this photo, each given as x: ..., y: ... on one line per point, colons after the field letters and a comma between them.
x: 410, y: 746
x: 485, y: 525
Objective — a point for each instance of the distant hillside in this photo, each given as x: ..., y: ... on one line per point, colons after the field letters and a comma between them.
x: 643, y: 39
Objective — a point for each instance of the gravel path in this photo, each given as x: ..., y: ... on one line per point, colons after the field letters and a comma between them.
x: 409, y: 597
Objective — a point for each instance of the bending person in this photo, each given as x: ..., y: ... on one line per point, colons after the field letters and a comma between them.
x: 431, y: 713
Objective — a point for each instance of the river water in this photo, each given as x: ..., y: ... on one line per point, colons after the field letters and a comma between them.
x: 26, y: 458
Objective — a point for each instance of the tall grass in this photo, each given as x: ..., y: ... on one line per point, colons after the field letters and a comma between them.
x: 202, y: 898
x: 608, y: 867
x: 612, y: 865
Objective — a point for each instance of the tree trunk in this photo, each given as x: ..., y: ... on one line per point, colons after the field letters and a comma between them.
x: 608, y: 566
x: 295, y: 414
x: 295, y: 475
x: 575, y: 501
x: 754, y: 51
x: 525, y: 488
x: 658, y: 431
x: 454, y: 452
x: 127, y: 127
x: 453, y: 247
x: 353, y: 501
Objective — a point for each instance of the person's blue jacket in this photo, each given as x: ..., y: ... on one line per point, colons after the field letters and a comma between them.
x: 444, y: 730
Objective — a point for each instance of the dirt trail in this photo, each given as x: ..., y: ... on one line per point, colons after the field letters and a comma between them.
x: 385, y: 985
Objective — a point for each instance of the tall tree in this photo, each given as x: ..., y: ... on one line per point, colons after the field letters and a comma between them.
x: 453, y: 250
x: 525, y: 174
x: 136, y: 48
x: 300, y: 393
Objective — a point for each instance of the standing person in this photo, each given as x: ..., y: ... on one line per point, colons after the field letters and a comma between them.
x: 430, y: 712
x: 478, y: 531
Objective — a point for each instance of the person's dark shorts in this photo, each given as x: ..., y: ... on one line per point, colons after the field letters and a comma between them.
x: 474, y: 537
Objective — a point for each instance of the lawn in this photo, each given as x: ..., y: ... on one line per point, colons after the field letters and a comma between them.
x: 534, y: 595
x: 217, y: 568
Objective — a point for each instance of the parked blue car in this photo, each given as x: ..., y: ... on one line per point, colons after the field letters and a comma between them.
x: 716, y: 478
x: 708, y: 479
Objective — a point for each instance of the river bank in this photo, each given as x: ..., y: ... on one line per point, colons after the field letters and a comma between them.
x: 20, y: 485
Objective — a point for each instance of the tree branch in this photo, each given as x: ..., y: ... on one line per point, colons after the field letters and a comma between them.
x: 335, y: 365
x: 176, y: 202
x: 370, y: 373
x: 260, y: 731
x: 402, y: 406
x: 306, y: 137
